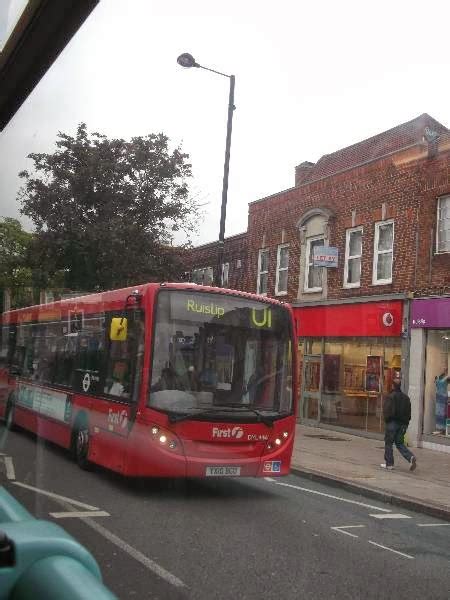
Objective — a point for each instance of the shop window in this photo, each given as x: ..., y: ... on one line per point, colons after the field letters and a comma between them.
x: 281, y: 284
x: 357, y: 373
x: 263, y: 272
x: 353, y: 253
x: 383, y: 253
x: 443, y: 225
x: 313, y: 275
x: 436, y: 419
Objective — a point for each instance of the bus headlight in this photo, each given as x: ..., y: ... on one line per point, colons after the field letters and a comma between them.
x: 277, y: 442
x: 165, y: 439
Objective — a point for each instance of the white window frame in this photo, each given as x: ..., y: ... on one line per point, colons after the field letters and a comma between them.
x: 377, y: 252
x: 349, y: 257
x: 277, y: 279
x: 224, y: 276
x: 260, y: 253
x: 447, y: 196
x: 308, y: 266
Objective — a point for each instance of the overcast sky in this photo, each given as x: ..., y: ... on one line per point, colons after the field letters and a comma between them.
x: 311, y: 77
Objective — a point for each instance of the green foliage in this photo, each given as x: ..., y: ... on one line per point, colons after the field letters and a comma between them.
x: 15, y: 273
x: 105, y: 209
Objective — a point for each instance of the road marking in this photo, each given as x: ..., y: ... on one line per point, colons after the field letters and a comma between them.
x: 79, y: 514
x: 117, y: 541
x: 9, y: 466
x: 391, y: 516
x: 136, y: 554
x: 342, y: 527
x: 391, y: 550
x: 55, y: 496
x: 433, y: 524
x: 302, y: 489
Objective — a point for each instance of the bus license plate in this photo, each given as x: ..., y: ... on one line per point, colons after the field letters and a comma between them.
x: 223, y: 471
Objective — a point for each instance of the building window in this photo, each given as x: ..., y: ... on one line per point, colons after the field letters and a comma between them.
x: 383, y: 252
x: 203, y: 276
x: 263, y: 272
x: 353, y: 252
x: 281, y: 284
x: 313, y: 275
x: 443, y: 225
x: 224, y: 276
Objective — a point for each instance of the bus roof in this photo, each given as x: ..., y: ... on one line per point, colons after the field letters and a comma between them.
x: 112, y: 300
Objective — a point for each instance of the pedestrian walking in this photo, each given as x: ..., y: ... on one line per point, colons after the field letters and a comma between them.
x: 397, y: 415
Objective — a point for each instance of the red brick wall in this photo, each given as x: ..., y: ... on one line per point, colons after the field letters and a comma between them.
x: 235, y: 249
x: 408, y: 183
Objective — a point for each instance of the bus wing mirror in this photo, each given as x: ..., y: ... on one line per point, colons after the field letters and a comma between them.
x: 119, y: 329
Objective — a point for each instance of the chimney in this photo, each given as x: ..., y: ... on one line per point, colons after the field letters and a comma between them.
x: 303, y: 171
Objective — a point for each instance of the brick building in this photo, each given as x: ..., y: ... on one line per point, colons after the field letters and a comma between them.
x: 384, y: 204
x: 201, y: 262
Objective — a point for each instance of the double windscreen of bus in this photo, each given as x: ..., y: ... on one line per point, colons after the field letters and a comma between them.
x: 166, y: 381
x: 220, y: 353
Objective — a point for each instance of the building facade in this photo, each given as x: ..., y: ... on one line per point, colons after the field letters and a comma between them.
x: 377, y: 214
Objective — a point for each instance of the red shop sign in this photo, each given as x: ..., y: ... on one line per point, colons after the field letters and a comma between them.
x: 382, y: 319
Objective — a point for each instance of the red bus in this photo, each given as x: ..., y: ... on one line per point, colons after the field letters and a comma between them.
x: 165, y: 380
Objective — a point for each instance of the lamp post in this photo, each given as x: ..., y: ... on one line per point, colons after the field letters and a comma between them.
x: 187, y: 60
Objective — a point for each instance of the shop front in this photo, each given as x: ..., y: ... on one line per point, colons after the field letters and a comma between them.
x: 430, y: 356
x: 348, y: 354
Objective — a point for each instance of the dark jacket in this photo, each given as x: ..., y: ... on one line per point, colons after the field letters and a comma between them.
x: 397, y: 407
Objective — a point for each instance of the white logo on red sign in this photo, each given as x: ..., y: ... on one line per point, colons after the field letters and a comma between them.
x: 236, y: 432
x: 116, y: 418
x: 388, y: 319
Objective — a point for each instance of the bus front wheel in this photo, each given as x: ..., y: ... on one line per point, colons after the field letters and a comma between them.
x: 81, y: 445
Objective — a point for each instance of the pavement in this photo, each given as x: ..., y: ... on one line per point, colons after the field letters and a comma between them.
x: 353, y: 463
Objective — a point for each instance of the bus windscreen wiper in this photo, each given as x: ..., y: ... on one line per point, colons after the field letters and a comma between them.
x: 231, y: 408
x: 247, y: 408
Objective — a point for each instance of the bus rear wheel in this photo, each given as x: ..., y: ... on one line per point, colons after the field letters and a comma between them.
x: 81, y: 446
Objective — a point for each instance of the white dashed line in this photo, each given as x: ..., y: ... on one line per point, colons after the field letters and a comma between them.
x: 136, y: 554
x: 55, y: 496
x: 391, y: 516
x: 10, y: 472
x: 391, y: 550
x: 302, y: 489
x: 342, y: 527
x: 79, y: 514
x: 433, y: 524
x: 68, y: 504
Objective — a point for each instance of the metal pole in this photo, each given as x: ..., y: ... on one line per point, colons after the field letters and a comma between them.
x: 226, y: 169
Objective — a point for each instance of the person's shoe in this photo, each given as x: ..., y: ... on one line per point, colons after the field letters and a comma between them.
x: 387, y: 467
x: 412, y: 463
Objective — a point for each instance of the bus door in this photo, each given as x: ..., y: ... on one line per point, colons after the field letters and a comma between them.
x: 117, y: 382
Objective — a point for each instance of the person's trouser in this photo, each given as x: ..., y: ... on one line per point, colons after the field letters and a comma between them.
x: 394, y: 433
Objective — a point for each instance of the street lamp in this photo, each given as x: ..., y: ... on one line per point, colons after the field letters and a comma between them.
x: 187, y: 60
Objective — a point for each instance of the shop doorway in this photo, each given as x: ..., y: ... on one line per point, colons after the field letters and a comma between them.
x: 311, y: 389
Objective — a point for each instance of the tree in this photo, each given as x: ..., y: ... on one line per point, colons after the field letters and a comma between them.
x: 15, y: 273
x: 105, y: 210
